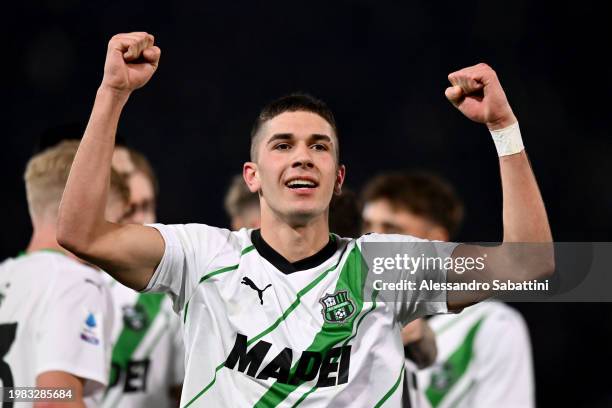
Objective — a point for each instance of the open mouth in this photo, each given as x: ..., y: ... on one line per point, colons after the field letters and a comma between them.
x: 299, y: 183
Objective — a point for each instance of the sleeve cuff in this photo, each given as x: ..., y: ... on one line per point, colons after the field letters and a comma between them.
x: 170, y: 245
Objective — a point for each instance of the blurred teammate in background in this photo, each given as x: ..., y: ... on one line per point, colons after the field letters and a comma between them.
x: 345, y: 214
x: 484, y: 353
x: 55, y: 311
x: 148, y: 355
x: 241, y: 205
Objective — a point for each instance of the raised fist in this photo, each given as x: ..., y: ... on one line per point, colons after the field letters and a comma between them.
x: 131, y: 60
x: 477, y: 93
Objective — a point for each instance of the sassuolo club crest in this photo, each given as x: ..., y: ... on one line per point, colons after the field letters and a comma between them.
x: 337, y: 308
x: 134, y: 317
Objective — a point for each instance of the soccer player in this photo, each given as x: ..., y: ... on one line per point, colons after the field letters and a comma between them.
x: 147, y: 360
x: 241, y: 205
x: 484, y: 353
x: 55, y: 311
x: 277, y: 316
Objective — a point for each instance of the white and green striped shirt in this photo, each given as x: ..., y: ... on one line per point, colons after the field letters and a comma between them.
x: 262, y: 332
x: 484, y: 360
x: 56, y: 314
x: 148, y: 354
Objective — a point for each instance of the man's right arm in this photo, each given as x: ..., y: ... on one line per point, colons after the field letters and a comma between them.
x: 130, y: 253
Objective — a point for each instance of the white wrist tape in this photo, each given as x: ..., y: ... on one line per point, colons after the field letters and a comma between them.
x: 508, y: 140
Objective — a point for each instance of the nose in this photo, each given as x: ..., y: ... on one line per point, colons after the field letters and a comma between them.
x: 302, y: 157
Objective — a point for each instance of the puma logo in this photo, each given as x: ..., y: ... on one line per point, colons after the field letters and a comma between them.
x: 249, y: 283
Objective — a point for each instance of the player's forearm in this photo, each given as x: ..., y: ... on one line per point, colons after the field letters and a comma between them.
x: 524, y: 215
x: 81, y: 216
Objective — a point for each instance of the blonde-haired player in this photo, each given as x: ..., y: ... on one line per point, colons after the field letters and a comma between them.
x: 241, y: 205
x: 147, y: 362
x: 55, y: 311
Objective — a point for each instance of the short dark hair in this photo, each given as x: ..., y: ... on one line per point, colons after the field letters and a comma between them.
x: 292, y: 103
x: 423, y: 194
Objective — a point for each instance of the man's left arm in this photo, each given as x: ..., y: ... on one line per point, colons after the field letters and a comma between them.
x: 477, y: 93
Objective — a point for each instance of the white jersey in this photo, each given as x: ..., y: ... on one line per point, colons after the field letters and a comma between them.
x: 263, y: 332
x: 55, y: 315
x: 484, y: 360
x: 148, y: 355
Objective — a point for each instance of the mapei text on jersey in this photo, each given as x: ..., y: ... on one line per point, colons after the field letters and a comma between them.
x: 331, y: 367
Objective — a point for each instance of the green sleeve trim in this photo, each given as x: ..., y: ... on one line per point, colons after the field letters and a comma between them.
x: 393, y: 388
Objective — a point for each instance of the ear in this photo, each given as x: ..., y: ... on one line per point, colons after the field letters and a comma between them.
x: 339, y: 179
x: 251, y: 176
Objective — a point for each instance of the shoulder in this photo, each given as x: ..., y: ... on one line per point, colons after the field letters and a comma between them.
x: 504, y: 335
x: 71, y: 269
x: 58, y: 279
x: 46, y: 266
x: 496, y: 321
x: 493, y: 315
x: 66, y: 277
x: 193, y: 235
x: 500, y: 316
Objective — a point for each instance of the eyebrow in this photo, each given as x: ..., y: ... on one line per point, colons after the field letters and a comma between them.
x: 288, y: 136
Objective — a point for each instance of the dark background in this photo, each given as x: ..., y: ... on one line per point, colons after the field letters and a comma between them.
x: 382, y: 67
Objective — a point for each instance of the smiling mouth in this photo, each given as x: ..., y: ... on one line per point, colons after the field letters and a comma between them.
x: 301, y: 183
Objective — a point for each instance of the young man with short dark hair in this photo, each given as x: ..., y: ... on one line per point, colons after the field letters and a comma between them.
x: 278, y: 315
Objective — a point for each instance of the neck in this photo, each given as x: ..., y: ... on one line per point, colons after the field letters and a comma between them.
x: 44, y: 238
x: 293, y: 242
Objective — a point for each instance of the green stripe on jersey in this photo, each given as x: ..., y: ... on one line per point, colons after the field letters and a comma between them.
x: 393, y: 388
x: 130, y: 338
x: 274, y: 325
x: 453, y: 368
x: 352, y: 278
x: 314, y: 388
x: 227, y: 268
x: 217, y: 272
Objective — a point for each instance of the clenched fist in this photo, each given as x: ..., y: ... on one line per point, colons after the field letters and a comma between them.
x: 131, y: 60
x: 477, y: 93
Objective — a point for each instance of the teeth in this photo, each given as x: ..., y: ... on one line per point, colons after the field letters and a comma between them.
x: 299, y: 182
